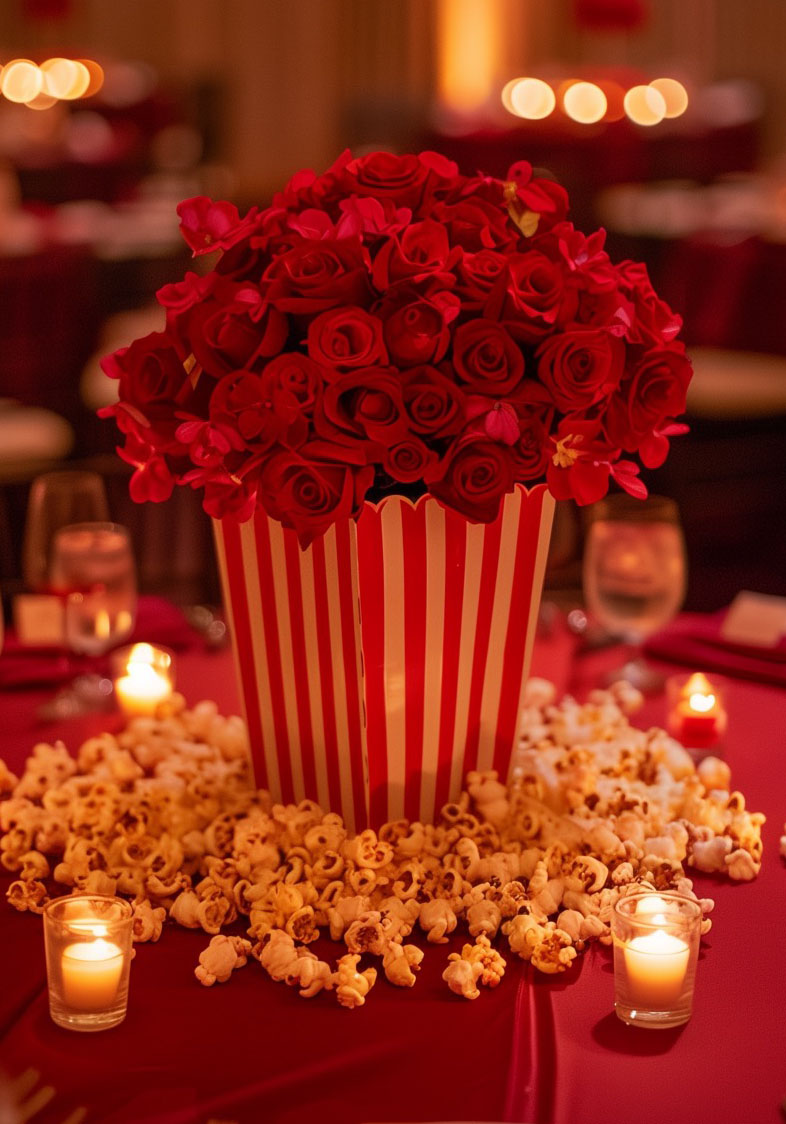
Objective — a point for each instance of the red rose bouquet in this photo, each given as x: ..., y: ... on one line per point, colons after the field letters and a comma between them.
x: 394, y: 326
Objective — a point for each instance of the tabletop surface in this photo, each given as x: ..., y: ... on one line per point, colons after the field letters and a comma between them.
x: 537, y: 1049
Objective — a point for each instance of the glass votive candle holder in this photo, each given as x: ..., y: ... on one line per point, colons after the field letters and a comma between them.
x: 656, y: 946
x: 144, y: 677
x: 696, y: 714
x: 88, y: 945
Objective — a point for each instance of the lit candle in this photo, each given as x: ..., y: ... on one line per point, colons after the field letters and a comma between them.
x: 656, y: 964
x: 697, y: 717
x: 91, y: 974
x: 146, y: 681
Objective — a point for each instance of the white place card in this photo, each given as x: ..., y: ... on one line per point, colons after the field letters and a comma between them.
x: 758, y: 619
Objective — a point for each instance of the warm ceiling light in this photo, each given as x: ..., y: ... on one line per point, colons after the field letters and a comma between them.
x: 79, y: 82
x: 21, y: 80
x: 584, y: 102
x: 96, y: 72
x: 674, y: 95
x: 644, y: 105
x: 59, y: 76
x: 532, y: 98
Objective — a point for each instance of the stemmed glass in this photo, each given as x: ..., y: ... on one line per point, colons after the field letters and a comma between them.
x: 57, y: 499
x: 634, y: 574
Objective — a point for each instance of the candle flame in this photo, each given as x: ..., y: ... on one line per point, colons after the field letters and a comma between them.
x: 702, y: 703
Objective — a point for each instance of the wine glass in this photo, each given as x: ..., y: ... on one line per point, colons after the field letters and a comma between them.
x: 57, y: 499
x: 93, y: 569
x: 634, y: 574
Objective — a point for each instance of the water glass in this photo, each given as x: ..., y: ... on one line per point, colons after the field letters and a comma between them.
x: 656, y: 947
x: 88, y: 941
x: 93, y: 569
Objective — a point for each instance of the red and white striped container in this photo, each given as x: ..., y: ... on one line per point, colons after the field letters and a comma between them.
x: 382, y: 663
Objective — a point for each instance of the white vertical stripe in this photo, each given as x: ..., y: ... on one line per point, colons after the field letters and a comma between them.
x: 313, y: 674
x: 288, y: 669
x: 544, y: 536
x: 500, y: 621
x: 473, y: 558
x: 226, y: 589
x: 248, y: 548
x: 395, y: 654
x: 360, y: 717
x: 432, y: 685
x: 343, y: 718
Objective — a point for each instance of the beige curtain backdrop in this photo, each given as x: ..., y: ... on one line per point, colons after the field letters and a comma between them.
x: 300, y: 77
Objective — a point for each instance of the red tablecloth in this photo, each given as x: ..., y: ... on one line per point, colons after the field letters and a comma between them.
x: 537, y: 1049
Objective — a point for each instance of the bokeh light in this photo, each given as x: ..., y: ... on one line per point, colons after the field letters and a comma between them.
x: 615, y: 99
x: 60, y: 75
x: 96, y: 72
x: 584, y: 102
x: 674, y: 95
x: 21, y: 80
x: 644, y: 105
x: 532, y: 98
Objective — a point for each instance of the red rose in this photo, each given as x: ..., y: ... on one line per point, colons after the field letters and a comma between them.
x: 344, y: 338
x: 421, y: 252
x: 363, y: 406
x: 416, y: 326
x: 530, y: 453
x: 311, y: 497
x: 474, y: 479
x: 409, y: 460
x: 231, y: 329
x: 409, y: 179
x: 580, y: 368
x: 153, y: 387
x: 654, y: 393
x: 317, y: 274
x: 532, y: 296
x: 477, y: 275
x: 434, y: 403
x: 486, y: 359
x: 297, y: 375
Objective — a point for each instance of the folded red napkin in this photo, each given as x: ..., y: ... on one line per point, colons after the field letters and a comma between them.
x: 695, y: 639
x: 157, y: 621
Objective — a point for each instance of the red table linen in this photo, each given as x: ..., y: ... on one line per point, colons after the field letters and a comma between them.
x: 537, y: 1049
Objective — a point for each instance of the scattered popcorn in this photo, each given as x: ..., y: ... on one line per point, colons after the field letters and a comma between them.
x: 165, y: 814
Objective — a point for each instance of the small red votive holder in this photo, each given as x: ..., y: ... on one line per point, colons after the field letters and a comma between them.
x: 696, y: 714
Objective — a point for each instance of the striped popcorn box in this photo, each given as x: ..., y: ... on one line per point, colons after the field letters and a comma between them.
x: 382, y: 663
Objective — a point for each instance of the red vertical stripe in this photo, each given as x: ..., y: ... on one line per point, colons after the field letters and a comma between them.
x: 414, y: 609
x: 492, y: 535
x: 350, y: 638
x: 455, y: 564
x: 326, y: 672
x: 519, y: 624
x: 300, y: 662
x: 267, y: 578
x: 242, y: 628
x: 371, y: 583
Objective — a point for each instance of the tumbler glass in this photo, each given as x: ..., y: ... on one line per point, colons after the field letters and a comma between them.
x: 656, y: 946
x: 88, y: 958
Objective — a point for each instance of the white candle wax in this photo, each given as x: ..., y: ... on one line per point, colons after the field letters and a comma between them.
x: 91, y: 974
x: 656, y: 964
x: 142, y: 689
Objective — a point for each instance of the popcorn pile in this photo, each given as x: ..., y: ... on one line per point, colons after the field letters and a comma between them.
x: 165, y: 813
